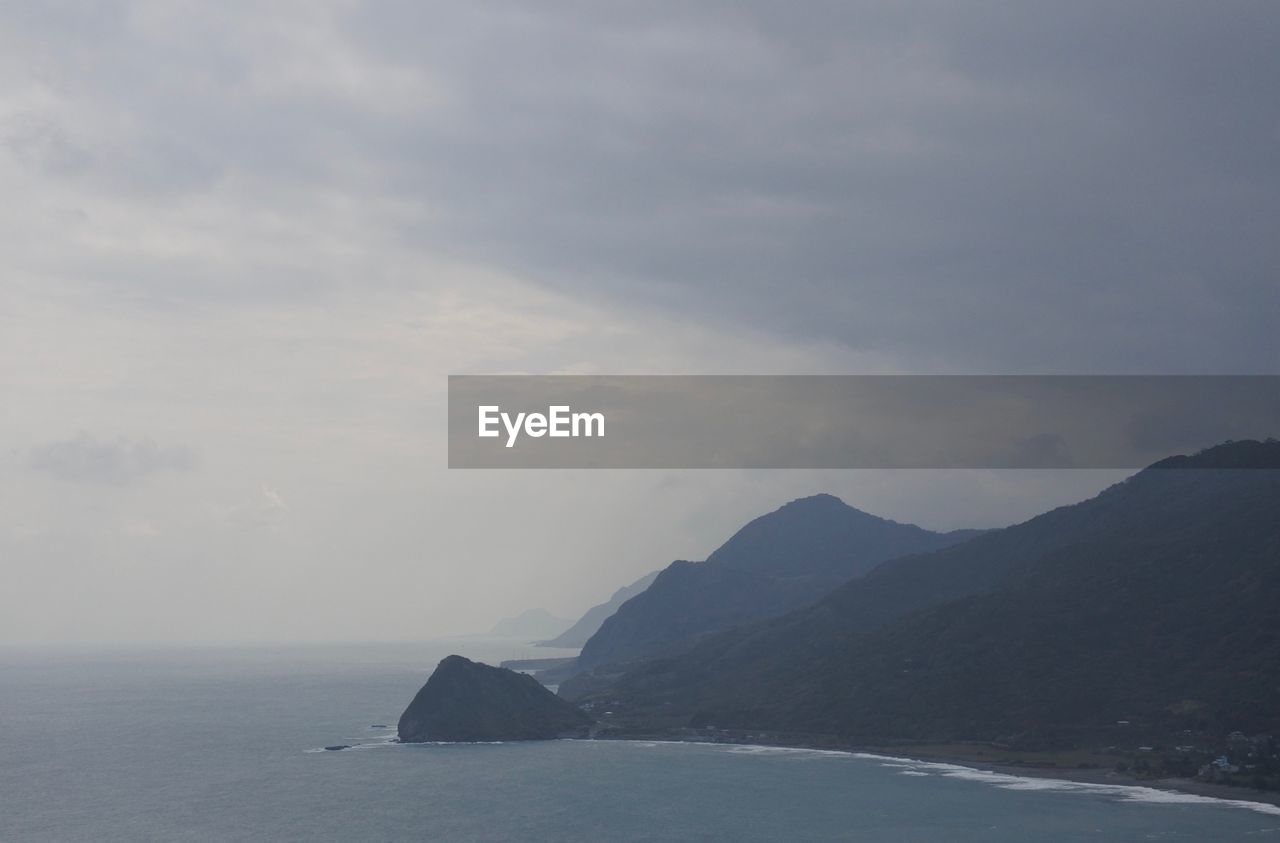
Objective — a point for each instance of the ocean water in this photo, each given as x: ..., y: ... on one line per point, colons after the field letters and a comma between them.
x: 214, y: 745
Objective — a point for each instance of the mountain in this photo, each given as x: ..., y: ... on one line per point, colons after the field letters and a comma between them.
x: 778, y: 562
x: 1152, y: 609
x: 586, y: 626
x: 530, y: 624
x: 468, y: 701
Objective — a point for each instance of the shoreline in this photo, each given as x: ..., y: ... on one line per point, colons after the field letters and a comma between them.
x: 1230, y: 794
x: 1084, y: 775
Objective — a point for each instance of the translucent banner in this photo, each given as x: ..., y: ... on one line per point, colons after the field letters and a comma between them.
x: 855, y: 421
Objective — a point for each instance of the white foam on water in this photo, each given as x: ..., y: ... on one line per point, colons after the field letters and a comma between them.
x: 911, y: 767
x: 757, y: 749
x: 1010, y: 781
x: 382, y: 741
x: 746, y: 749
x: 738, y: 748
x: 376, y: 742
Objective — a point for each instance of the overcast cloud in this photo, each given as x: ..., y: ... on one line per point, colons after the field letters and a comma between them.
x: 264, y: 233
x: 87, y: 459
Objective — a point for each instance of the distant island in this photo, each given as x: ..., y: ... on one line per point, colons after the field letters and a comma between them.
x: 468, y: 701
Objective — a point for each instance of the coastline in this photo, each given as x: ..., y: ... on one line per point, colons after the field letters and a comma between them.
x: 1267, y: 801
x: 1083, y: 775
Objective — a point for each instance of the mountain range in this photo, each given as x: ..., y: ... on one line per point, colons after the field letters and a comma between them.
x: 1152, y: 609
x: 531, y: 624
x: 1141, y: 624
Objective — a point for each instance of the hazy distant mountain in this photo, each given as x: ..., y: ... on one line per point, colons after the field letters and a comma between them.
x: 1156, y: 603
x: 531, y: 624
x: 468, y: 701
x: 577, y: 635
x: 778, y: 562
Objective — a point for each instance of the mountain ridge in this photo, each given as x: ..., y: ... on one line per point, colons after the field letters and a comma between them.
x: 587, y: 625
x: 776, y: 562
x: 531, y: 624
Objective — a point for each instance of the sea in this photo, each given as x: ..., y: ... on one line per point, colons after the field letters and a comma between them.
x: 220, y: 744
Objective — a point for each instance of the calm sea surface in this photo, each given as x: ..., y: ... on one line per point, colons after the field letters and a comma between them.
x: 208, y: 744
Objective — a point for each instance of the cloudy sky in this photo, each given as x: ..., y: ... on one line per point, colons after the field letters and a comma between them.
x: 243, y: 245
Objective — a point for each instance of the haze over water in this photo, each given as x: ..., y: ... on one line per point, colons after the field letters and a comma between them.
x: 218, y: 744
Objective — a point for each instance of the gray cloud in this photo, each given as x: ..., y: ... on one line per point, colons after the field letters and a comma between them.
x: 272, y: 229
x: 266, y: 509
x: 1047, y: 187
x: 1044, y: 187
x: 119, y: 461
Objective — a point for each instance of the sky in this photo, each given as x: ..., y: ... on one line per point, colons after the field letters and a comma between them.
x: 244, y: 244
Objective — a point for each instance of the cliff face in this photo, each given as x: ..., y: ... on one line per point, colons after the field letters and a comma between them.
x: 468, y: 701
